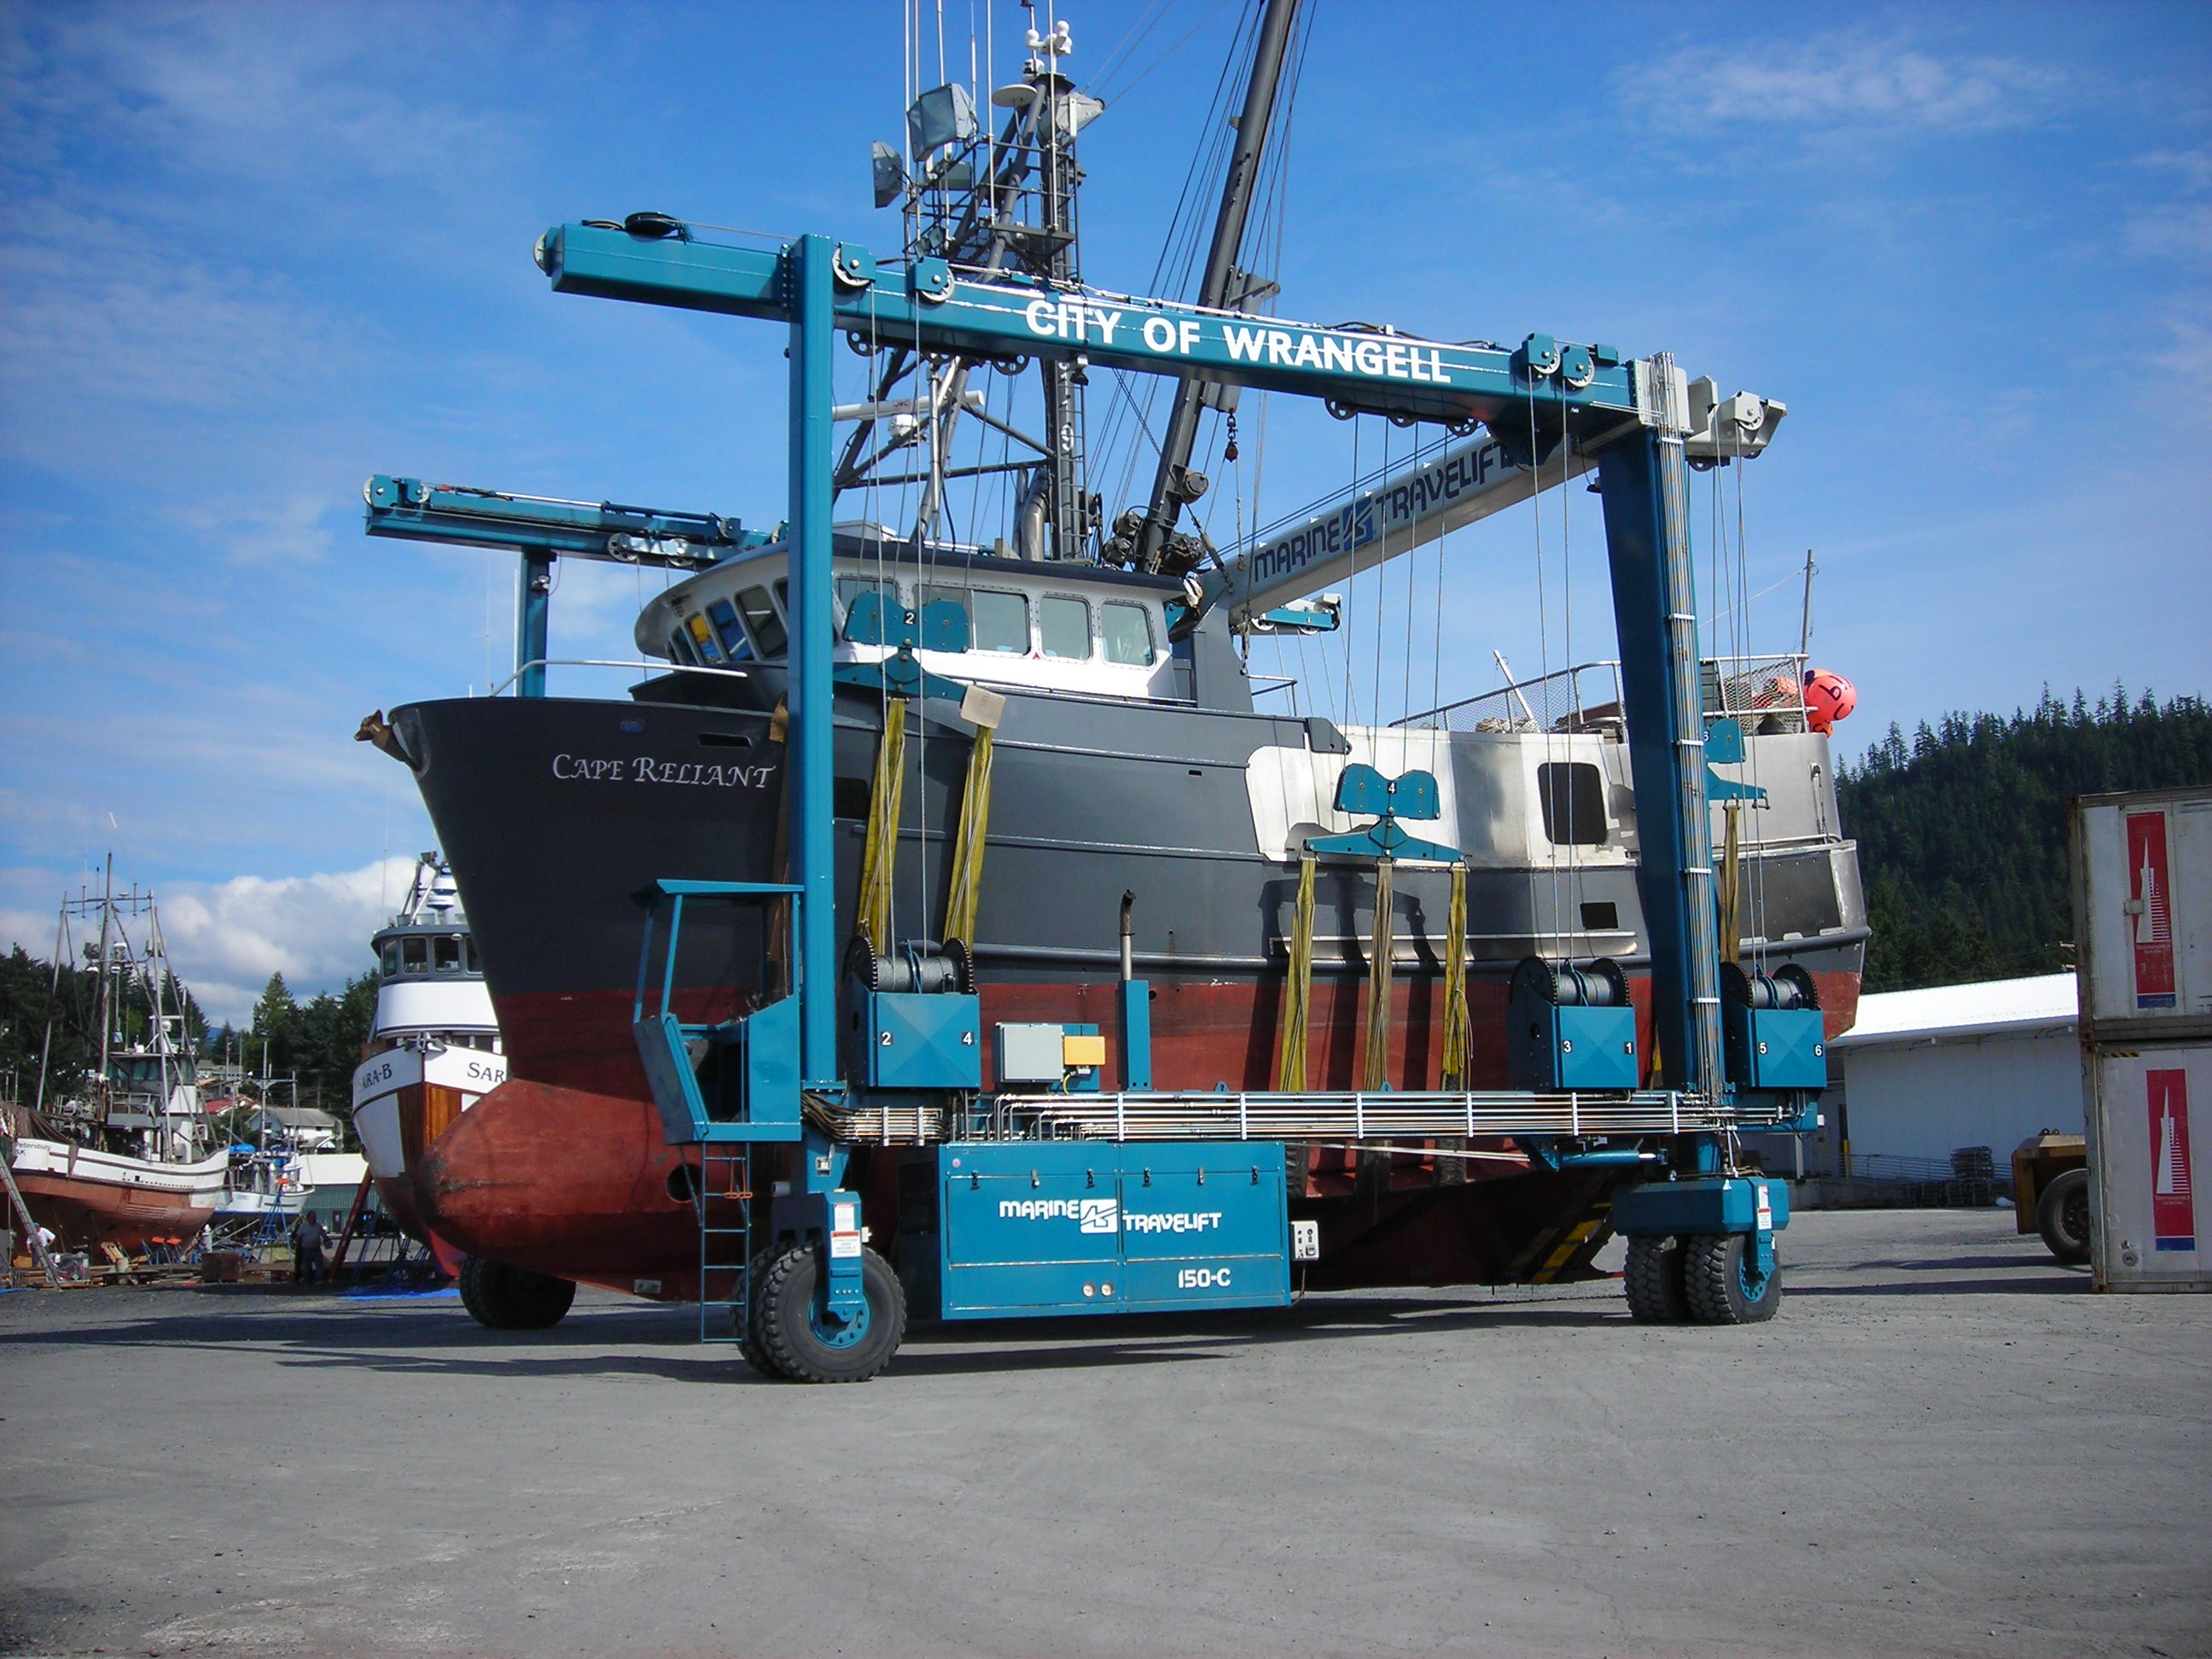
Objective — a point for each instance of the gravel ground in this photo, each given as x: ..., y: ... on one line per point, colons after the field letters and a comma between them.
x: 1944, y: 1444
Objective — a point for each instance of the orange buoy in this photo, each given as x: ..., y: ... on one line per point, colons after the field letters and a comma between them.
x: 1829, y: 697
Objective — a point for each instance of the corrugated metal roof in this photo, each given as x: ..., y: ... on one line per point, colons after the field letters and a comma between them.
x: 2046, y: 1002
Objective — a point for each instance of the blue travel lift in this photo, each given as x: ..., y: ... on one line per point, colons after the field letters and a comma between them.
x: 1075, y: 1201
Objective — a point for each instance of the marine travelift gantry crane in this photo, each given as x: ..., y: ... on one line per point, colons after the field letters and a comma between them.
x: 776, y: 1075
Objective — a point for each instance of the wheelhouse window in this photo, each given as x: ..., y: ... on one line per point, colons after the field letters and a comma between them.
x: 1573, y: 794
x: 1063, y: 627
x: 446, y: 953
x: 761, y: 622
x: 1127, y: 631
x: 679, y: 649
x: 414, y: 955
x: 726, y: 630
x: 391, y: 957
x: 1001, y: 620
x: 710, y: 649
x: 475, y: 966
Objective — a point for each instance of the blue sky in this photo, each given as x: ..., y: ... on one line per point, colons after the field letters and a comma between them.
x: 254, y: 253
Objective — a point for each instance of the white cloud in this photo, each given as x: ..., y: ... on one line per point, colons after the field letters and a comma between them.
x: 226, y: 938
x: 2177, y: 233
x: 1837, y: 80
x: 2193, y: 168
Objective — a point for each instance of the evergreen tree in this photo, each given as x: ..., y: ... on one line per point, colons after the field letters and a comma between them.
x: 1962, y: 839
x: 275, y: 1034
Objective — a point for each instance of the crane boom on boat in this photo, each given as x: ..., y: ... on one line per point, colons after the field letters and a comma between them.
x: 1303, y: 553
x: 542, y: 528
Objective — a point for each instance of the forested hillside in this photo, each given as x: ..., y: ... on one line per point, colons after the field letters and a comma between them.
x: 319, y: 1041
x: 55, y: 1018
x: 1962, y: 828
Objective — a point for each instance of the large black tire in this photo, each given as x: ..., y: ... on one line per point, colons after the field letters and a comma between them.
x: 801, y: 1349
x: 747, y: 1330
x: 2062, y: 1214
x: 1723, y: 1289
x: 1653, y: 1280
x: 504, y: 1299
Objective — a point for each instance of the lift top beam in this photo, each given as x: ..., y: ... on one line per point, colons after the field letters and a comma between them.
x: 538, y: 525
x: 1586, y: 390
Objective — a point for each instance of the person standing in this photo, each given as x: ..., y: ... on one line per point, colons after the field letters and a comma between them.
x: 307, y: 1235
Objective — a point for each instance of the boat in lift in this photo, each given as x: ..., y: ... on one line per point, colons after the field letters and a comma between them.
x: 1146, y: 812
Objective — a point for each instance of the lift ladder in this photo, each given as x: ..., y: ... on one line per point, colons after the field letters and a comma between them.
x: 724, y: 1177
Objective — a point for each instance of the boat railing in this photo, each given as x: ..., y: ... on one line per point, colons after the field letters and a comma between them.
x: 1583, y: 698
x: 1767, y: 691
x: 649, y: 666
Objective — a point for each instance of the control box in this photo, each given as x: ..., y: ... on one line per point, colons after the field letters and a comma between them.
x: 1004, y: 1228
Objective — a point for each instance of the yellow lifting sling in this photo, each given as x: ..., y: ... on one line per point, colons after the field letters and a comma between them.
x: 880, y: 851
x: 1456, y: 1035
x: 1382, y: 948
x: 983, y: 710
x: 1298, y: 989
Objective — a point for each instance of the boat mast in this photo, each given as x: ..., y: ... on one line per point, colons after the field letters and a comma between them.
x: 53, y: 997
x: 156, y: 969
x: 989, y: 203
x: 1175, y: 485
x: 102, y: 1001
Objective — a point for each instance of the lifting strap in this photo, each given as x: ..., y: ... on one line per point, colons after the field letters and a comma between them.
x: 967, y: 891
x: 1298, y: 989
x: 879, y: 850
x: 1731, y: 923
x: 1456, y: 1035
x: 1382, y: 948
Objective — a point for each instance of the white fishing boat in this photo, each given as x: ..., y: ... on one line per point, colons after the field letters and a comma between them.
x: 434, y: 1048
x: 129, y: 1160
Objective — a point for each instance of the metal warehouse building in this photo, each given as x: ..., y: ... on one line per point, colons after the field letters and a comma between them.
x: 1926, y: 1072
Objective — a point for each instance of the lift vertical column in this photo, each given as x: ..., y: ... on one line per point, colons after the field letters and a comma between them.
x: 533, y: 604
x: 808, y: 273
x: 1644, y: 484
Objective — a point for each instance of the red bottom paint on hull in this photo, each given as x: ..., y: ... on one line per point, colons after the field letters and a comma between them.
x: 87, y: 1214
x: 402, y: 1203
x: 566, y: 1174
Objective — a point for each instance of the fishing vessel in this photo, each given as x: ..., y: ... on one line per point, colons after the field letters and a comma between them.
x: 128, y: 1159
x: 1145, y: 811
x: 285, y: 1162
x: 434, y: 1048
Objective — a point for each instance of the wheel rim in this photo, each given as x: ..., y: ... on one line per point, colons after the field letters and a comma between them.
x: 1748, y: 1279
x: 2073, y: 1216
x: 832, y: 1335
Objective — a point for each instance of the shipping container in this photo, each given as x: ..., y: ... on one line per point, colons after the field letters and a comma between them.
x: 2143, y: 929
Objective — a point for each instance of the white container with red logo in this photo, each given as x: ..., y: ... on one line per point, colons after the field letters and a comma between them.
x: 2143, y: 929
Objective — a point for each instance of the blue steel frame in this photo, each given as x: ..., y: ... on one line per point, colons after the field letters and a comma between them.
x: 1544, y: 387
x: 804, y: 1209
